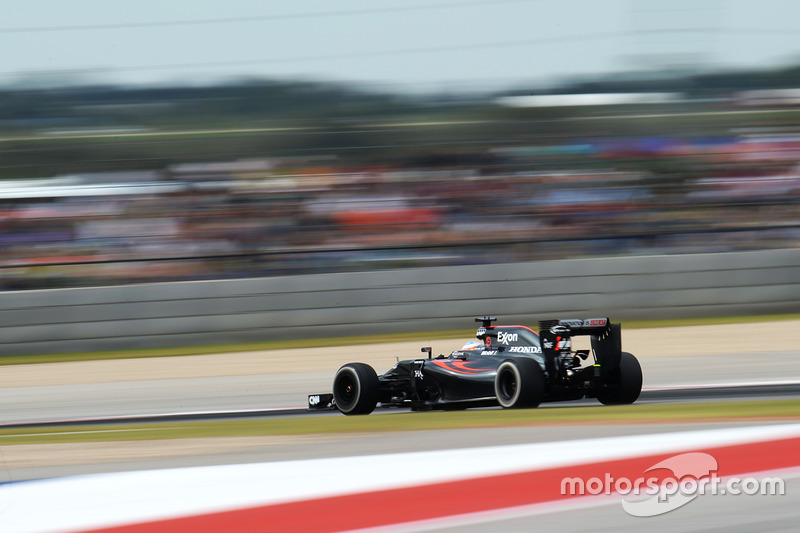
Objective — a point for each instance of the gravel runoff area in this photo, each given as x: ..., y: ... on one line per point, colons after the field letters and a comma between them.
x: 646, y: 342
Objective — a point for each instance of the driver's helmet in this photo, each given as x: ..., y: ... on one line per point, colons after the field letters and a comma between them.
x: 472, y: 345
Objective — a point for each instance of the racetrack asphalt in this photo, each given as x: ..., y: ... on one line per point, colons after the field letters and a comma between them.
x: 694, y: 355
x: 269, y: 390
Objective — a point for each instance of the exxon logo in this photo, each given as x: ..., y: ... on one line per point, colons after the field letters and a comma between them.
x: 507, y: 338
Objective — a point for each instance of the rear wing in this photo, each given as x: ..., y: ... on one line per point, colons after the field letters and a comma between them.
x: 578, y: 326
x: 555, y: 336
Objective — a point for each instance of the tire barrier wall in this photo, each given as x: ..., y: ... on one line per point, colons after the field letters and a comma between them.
x: 398, y: 301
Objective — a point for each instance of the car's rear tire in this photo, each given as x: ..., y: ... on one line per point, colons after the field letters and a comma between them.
x: 356, y: 389
x: 625, y: 384
x: 519, y: 383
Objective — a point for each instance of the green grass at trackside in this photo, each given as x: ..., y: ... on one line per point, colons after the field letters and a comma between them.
x: 346, y: 341
x: 436, y: 420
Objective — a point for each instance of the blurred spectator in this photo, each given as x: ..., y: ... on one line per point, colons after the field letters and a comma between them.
x: 515, y: 196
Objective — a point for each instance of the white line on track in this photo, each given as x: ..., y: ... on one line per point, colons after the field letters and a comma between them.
x: 14, y: 435
x: 123, y: 418
x: 257, y: 410
x: 734, y: 384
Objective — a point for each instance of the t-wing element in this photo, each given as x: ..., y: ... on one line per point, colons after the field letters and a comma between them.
x: 486, y: 321
x: 486, y: 324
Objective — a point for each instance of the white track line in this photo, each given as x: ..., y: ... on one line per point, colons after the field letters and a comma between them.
x: 256, y: 410
x: 734, y: 384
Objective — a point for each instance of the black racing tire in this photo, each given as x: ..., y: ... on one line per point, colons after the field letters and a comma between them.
x: 625, y: 384
x: 519, y: 383
x: 356, y: 389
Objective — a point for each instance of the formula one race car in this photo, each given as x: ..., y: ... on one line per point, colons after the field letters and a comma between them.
x: 512, y: 366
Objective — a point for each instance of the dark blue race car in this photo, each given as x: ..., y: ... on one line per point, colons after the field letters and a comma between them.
x: 510, y: 366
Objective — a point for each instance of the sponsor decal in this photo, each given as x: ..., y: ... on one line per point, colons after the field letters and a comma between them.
x: 418, y: 374
x: 571, y: 322
x: 594, y: 322
x: 481, y: 332
x: 489, y: 352
x: 314, y: 400
x: 507, y: 338
x: 461, y: 367
x: 525, y: 349
x: 563, y: 343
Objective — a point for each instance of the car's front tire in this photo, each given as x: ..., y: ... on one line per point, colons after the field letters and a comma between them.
x: 625, y: 384
x: 356, y: 389
x: 519, y: 383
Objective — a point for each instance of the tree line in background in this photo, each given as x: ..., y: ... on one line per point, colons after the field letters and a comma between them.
x: 84, y: 129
